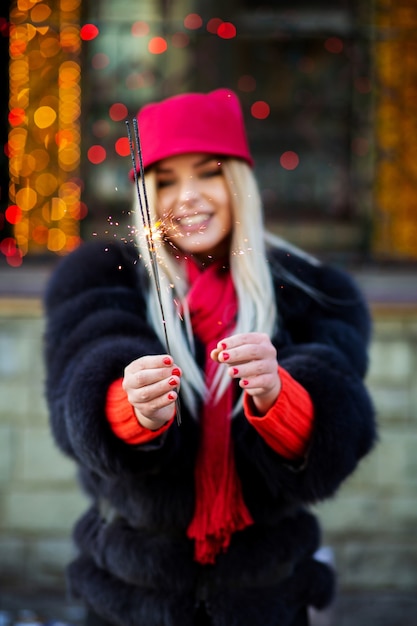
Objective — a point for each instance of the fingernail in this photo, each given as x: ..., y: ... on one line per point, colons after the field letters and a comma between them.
x: 172, y: 382
x: 235, y: 371
x: 171, y: 396
x: 223, y: 345
x: 176, y: 371
x: 245, y: 382
x: 167, y: 361
x: 226, y: 356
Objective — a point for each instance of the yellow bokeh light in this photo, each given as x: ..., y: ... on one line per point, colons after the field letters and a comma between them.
x: 27, y: 165
x: 69, y: 157
x: 26, y: 5
x: 56, y: 239
x: 46, y: 184
x: 70, y: 5
x: 50, y: 47
x: 41, y: 159
x: 70, y: 192
x: 26, y: 198
x: 44, y: 116
x: 70, y: 38
x: 58, y: 209
x: 40, y: 13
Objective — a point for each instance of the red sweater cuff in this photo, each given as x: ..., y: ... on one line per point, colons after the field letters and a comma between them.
x: 288, y: 425
x: 122, y: 419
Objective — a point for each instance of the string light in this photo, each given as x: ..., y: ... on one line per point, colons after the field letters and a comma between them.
x: 44, y: 137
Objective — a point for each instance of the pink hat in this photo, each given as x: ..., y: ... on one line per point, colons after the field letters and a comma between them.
x: 193, y: 122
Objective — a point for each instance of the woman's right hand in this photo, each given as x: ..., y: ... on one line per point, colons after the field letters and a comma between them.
x: 151, y: 384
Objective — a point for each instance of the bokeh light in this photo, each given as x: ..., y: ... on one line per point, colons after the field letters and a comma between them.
x: 96, y: 154
x: 89, y: 32
x: 122, y: 146
x: 213, y: 25
x: 226, y: 30
x: 333, y: 45
x: 100, y: 61
x: 289, y: 160
x: 13, y: 214
x: 157, y: 45
x: 140, y: 29
x: 118, y: 111
x: 260, y: 110
x: 193, y: 21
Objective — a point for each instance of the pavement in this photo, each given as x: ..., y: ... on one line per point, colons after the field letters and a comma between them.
x: 367, y: 608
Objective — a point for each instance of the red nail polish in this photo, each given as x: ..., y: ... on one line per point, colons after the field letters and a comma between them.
x: 226, y: 356
x: 176, y: 371
x: 167, y: 361
x: 223, y: 345
x: 172, y: 382
x: 171, y: 396
x: 235, y: 371
x: 245, y: 382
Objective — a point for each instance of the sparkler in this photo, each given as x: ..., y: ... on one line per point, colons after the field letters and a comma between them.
x: 147, y: 227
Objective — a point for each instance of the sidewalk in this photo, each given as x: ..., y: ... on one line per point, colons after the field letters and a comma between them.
x: 351, y: 609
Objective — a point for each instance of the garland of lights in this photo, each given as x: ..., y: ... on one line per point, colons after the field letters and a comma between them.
x: 44, y: 138
x: 395, y: 55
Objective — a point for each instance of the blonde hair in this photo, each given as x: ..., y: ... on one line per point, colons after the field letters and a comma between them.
x: 248, y: 266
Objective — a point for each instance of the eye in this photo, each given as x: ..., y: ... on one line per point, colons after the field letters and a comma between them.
x: 211, y: 173
x: 161, y: 183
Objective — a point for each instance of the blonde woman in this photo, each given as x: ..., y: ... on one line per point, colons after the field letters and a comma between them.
x: 204, y: 520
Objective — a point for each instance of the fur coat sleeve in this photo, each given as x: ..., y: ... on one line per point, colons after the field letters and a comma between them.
x: 95, y: 326
x: 322, y: 341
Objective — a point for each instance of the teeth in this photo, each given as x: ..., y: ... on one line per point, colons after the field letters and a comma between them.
x: 192, y: 220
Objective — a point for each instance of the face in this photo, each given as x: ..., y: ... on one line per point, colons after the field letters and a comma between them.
x: 194, y: 204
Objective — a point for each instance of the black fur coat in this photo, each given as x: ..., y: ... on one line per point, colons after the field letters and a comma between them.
x: 135, y: 565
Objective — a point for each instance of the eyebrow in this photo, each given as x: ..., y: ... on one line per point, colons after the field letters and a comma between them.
x: 206, y: 159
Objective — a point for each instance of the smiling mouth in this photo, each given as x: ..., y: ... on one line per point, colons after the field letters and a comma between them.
x: 193, y: 221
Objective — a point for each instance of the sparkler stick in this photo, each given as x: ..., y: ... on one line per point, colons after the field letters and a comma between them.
x: 147, y: 227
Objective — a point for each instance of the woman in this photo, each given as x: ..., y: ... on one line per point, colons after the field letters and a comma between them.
x: 204, y: 521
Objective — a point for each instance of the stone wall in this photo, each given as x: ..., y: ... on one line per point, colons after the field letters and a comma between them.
x: 372, y: 522
x: 370, y: 525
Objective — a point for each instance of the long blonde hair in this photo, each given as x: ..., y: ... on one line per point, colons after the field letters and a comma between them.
x: 248, y: 266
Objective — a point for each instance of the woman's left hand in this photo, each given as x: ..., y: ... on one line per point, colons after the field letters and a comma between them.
x: 252, y: 358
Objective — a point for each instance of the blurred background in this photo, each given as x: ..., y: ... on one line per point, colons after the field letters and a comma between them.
x: 329, y: 92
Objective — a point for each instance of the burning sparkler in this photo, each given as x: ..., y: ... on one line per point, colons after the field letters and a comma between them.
x: 147, y: 227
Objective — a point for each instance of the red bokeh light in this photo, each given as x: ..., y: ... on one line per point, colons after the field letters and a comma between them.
x: 118, y: 111
x: 8, y: 246
x: 193, y: 21
x: 213, y: 25
x: 4, y: 27
x: 334, y: 45
x: 96, y: 154
x: 140, y: 29
x: 157, y: 45
x: 13, y: 214
x: 260, y: 110
x: 17, y: 116
x: 122, y: 146
x: 15, y: 259
x: 289, y: 160
x: 226, y: 30
x: 88, y: 32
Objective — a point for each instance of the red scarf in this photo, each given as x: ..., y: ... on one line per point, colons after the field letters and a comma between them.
x: 219, y: 508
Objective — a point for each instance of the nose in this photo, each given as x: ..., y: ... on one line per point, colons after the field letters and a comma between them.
x: 188, y: 192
